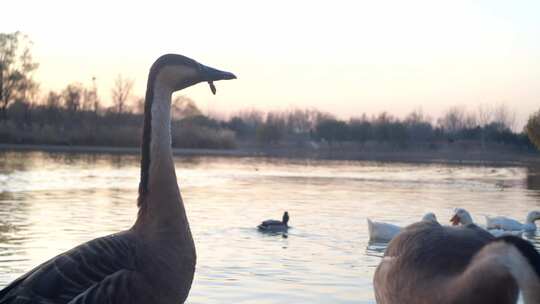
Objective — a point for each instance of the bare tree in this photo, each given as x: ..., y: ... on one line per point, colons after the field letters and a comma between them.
x: 53, y: 100
x: 16, y: 67
x: 533, y: 129
x: 470, y: 121
x: 139, y: 105
x: 417, y: 116
x: 484, y: 114
x: 73, y: 95
x: 251, y: 117
x: 503, y: 117
x: 90, y: 98
x: 53, y: 104
x: 121, y: 93
x: 183, y: 106
x: 272, y: 130
x: 301, y: 121
x: 418, y: 125
x: 485, y: 117
x: 319, y: 117
x: 454, y: 120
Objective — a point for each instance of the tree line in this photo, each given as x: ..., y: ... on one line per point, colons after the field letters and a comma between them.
x: 76, y: 115
x: 415, y: 130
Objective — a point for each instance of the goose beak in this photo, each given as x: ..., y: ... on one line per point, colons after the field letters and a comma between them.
x: 454, y: 220
x: 210, y: 75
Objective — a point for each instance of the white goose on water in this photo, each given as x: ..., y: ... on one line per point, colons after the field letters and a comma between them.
x: 153, y: 261
x: 506, y: 223
x: 463, y: 217
x: 384, y: 232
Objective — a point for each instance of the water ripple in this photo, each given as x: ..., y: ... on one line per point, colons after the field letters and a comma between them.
x: 50, y: 202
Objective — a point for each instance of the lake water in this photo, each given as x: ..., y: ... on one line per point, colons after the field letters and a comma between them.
x: 50, y: 202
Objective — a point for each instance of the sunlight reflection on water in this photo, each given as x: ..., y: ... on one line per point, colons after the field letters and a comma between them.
x: 50, y: 202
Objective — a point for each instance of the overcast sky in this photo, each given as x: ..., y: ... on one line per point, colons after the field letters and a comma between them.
x: 345, y: 57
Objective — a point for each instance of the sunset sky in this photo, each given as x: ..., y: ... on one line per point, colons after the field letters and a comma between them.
x: 344, y: 57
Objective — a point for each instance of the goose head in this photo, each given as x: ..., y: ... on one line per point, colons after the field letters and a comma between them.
x: 461, y: 216
x: 533, y: 216
x: 285, y: 218
x: 430, y: 216
x: 177, y: 72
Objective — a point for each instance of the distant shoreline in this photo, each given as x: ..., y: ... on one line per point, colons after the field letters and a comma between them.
x: 406, y: 156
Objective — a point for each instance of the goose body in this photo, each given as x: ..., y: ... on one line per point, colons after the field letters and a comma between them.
x: 381, y: 231
x: 501, y: 232
x: 463, y: 217
x: 506, y: 223
x: 384, y: 232
x: 153, y: 261
x: 275, y: 225
x: 430, y: 263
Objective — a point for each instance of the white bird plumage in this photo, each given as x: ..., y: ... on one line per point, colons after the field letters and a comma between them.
x: 384, y: 232
x: 506, y: 223
x: 463, y: 217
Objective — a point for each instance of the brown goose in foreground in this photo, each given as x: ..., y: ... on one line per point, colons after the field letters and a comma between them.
x: 154, y: 261
x: 430, y: 263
